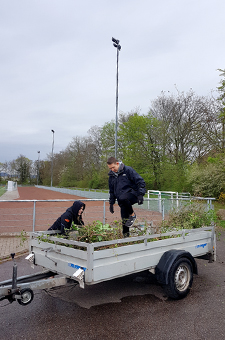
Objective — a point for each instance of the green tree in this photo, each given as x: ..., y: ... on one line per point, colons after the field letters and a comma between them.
x: 108, y: 140
x: 23, y: 167
x: 221, y: 98
x: 139, y: 138
x: 207, y: 179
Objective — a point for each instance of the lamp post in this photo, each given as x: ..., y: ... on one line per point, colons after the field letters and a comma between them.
x: 118, y: 48
x: 38, y: 166
x: 52, y: 155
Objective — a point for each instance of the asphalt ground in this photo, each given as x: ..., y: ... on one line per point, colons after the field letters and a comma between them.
x: 129, y: 308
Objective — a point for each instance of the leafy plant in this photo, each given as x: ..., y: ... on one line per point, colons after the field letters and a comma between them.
x: 97, y: 232
x: 208, y: 180
x: 23, y: 237
x: 189, y: 216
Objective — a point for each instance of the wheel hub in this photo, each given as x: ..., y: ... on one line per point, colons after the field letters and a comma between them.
x: 182, y: 278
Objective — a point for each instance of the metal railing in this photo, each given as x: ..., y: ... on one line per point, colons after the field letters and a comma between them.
x: 168, y: 199
x: 153, y: 210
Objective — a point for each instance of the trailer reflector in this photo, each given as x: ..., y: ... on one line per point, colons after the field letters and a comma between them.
x: 30, y: 258
x: 79, y: 276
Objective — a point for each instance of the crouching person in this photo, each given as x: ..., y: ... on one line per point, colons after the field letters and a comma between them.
x: 72, y: 214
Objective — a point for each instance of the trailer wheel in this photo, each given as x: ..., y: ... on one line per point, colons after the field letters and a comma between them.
x: 27, y: 296
x: 180, y: 279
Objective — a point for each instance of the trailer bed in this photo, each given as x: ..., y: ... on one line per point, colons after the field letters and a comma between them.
x: 90, y: 263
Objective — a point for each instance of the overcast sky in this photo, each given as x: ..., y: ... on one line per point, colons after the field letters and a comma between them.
x: 58, y: 63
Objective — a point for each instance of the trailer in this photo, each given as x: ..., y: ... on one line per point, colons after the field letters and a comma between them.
x: 169, y: 256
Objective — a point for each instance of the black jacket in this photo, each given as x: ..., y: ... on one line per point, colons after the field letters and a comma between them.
x: 69, y: 216
x: 124, y: 181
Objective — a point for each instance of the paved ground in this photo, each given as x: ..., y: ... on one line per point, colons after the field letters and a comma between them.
x: 128, y: 308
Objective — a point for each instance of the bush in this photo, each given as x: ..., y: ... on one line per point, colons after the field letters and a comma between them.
x: 189, y: 216
x: 221, y: 198
x: 208, y: 180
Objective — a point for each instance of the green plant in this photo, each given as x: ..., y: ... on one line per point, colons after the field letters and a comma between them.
x: 97, y: 232
x: 222, y: 224
x: 23, y: 237
x: 45, y: 238
x: 189, y: 216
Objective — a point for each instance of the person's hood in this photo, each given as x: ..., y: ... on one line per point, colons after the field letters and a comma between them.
x: 121, y: 167
x: 76, y: 207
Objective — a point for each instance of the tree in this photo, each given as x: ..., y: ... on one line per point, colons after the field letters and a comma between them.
x: 221, y: 98
x: 221, y: 88
x: 108, y: 140
x: 23, y: 167
x: 208, y: 178
x: 139, y: 143
x: 183, y: 117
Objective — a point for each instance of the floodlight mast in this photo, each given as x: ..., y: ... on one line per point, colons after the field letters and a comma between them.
x: 38, y: 166
x: 118, y: 48
x: 52, y: 155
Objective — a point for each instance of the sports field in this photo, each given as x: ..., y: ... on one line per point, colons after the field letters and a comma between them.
x: 17, y: 216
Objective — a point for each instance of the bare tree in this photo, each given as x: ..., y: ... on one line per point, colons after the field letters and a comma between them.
x: 186, y: 119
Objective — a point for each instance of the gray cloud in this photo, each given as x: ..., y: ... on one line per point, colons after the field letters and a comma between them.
x: 58, y: 64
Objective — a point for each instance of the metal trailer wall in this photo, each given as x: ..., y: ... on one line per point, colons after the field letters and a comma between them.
x: 106, y: 264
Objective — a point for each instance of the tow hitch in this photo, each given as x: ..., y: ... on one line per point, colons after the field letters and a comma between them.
x: 20, y: 289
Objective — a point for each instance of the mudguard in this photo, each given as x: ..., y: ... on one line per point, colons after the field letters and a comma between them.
x: 165, y: 263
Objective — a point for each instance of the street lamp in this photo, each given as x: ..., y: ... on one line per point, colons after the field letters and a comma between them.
x: 52, y: 154
x: 118, y: 48
x: 38, y: 167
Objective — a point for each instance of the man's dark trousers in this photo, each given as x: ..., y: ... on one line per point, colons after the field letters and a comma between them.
x: 125, y: 201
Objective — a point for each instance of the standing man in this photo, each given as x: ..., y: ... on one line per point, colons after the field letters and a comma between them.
x: 128, y: 187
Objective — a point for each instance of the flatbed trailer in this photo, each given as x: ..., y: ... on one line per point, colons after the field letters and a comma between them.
x: 170, y: 256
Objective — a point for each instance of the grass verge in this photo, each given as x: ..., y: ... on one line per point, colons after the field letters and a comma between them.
x: 2, y: 190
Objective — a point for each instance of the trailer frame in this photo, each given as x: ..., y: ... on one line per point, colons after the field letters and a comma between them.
x: 69, y: 261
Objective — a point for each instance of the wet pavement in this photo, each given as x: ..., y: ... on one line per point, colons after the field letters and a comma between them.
x: 132, y: 307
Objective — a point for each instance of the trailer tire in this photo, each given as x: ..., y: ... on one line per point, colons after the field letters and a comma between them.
x: 27, y: 296
x: 180, y: 279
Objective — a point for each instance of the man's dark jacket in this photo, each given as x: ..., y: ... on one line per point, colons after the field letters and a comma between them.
x: 69, y: 216
x: 126, y: 180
